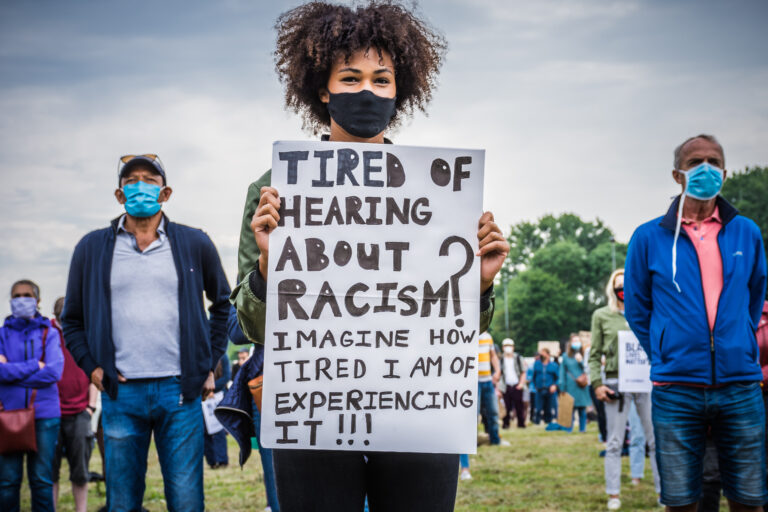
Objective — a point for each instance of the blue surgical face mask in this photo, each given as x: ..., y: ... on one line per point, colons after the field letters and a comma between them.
x: 23, y: 307
x: 701, y: 182
x: 141, y: 199
x: 576, y: 346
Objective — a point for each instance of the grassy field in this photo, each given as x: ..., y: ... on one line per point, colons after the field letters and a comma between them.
x: 540, y: 472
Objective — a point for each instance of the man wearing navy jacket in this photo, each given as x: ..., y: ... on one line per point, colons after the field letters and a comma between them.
x: 135, y: 322
x: 694, y: 288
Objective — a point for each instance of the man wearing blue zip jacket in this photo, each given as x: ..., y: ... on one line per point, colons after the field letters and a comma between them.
x: 694, y: 288
x: 135, y: 321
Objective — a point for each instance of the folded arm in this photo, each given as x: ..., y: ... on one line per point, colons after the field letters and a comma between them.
x: 50, y: 373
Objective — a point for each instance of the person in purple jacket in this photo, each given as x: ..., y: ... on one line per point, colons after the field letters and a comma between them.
x: 23, y: 369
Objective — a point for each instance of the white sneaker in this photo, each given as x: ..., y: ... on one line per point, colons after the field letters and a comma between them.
x: 614, y: 504
x: 465, y: 475
x: 504, y: 442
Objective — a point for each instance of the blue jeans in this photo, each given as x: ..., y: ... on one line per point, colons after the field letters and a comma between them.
x: 636, y: 443
x: 215, y: 448
x: 39, y: 470
x: 489, y: 409
x: 735, y: 413
x: 144, y: 407
x: 266, y: 464
x: 464, y: 461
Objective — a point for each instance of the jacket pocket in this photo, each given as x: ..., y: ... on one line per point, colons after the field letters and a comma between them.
x: 658, y: 333
x: 752, y: 336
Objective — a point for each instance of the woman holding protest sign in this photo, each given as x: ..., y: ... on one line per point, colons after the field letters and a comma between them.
x: 606, y: 324
x: 355, y: 72
x: 573, y: 380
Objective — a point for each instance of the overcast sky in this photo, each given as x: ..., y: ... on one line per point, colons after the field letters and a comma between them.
x: 578, y: 104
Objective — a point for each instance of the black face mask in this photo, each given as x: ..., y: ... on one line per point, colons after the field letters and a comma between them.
x: 619, y: 293
x: 362, y: 114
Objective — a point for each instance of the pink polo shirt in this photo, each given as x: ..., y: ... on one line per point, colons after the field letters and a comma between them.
x: 704, y: 237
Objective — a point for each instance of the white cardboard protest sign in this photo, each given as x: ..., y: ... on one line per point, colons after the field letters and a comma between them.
x: 212, y: 425
x: 373, y: 298
x: 634, y: 366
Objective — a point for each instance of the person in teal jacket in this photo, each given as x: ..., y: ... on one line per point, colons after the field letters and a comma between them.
x: 571, y: 368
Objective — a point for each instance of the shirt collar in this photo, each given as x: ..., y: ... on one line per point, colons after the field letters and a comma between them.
x: 715, y: 217
x: 121, y: 225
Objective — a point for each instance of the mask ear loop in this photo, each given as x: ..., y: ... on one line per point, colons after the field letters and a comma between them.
x: 677, y: 234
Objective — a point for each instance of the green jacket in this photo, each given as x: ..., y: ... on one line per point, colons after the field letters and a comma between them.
x: 249, y: 296
x: 606, y: 325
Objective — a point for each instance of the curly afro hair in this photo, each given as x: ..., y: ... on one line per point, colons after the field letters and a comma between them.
x: 310, y: 38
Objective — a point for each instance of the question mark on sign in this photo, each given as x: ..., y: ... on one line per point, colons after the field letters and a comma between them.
x: 454, y: 279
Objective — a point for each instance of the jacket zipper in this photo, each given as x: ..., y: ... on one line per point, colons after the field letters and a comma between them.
x: 704, y: 298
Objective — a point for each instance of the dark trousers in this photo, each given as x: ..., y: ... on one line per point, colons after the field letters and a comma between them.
x: 215, y: 448
x: 545, y: 403
x: 316, y: 480
x: 710, y: 480
x: 600, y: 411
x: 513, y: 399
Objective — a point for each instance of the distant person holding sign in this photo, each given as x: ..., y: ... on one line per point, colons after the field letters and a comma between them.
x: 607, y: 322
x: 573, y: 379
x: 135, y: 321
x: 695, y: 286
x: 357, y: 72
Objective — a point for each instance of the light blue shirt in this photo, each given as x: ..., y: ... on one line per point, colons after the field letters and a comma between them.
x: 145, y: 307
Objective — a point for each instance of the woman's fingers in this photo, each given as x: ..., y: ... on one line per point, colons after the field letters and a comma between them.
x: 266, y: 222
x: 491, y: 237
x: 487, y: 228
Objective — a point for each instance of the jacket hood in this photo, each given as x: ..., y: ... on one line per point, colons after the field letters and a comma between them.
x: 727, y: 212
x: 19, y: 324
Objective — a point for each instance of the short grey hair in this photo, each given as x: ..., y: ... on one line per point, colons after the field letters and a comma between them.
x: 710, y: 138
x: 35, y: 288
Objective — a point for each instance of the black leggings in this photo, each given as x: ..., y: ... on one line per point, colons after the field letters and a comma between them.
x: 316, y: 480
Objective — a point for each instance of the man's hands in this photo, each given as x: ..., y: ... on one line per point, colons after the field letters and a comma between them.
x: 41, y: 364
x: 96, y: 376
x: 209, y: 386
x: 264, y: 221
x: 552, y: 388
x: 3, y: 359
x: 493, y: 250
